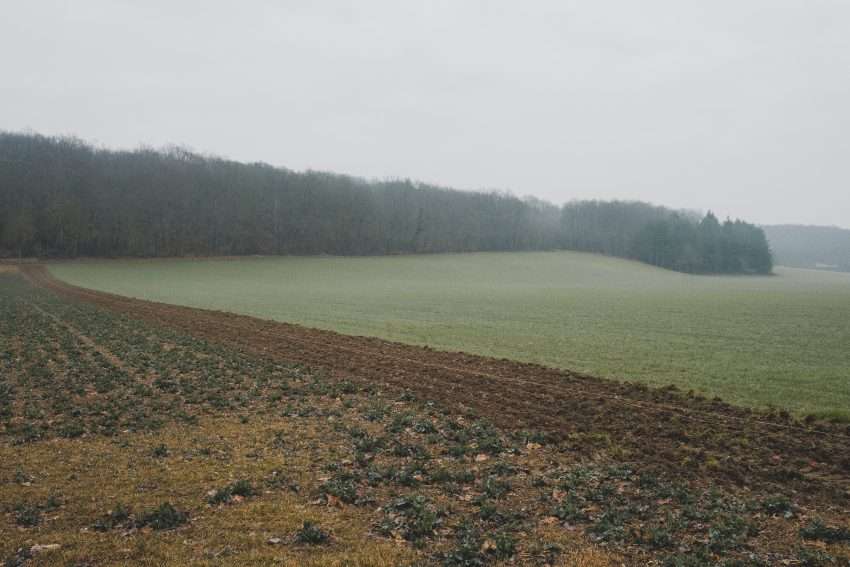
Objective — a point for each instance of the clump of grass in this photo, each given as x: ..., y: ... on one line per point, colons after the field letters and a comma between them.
x: 376, y: 411
x: 311, y: 534
x: 27, y: 515
x: 728, y: 533
x: 495, y: 488
x: 160, y: 451
x: 414, y: 450
x: 817, y: 530
x: 503, y: 545
x: 20, y: 558
x: 368, y: 444
x: 779, y: 506
x: 467, y: 550
x: 344, y: 486
x: 119, y: 517
x: 72, y: 429
x: 165, y: 517
x: 22, y: 477
x: 241, y: 488
x: 53, y: 502
x: 487, y: 438
x: 412, y: 517
x: 569, y: 510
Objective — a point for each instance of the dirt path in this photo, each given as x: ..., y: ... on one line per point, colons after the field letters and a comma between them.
x: 655, y: 429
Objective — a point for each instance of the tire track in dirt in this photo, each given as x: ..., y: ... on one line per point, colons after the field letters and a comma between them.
x: 657, y: 428
x: 84, y: 339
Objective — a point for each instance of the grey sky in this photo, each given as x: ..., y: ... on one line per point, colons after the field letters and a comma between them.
x: 739, y: 106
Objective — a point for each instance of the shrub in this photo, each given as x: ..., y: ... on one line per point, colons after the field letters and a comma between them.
x: 412, y: 517
x: 166, y: 517
x: 160, y: 451
x: 817, y: 530
x: 27, y: 515
x: 242, y: 488
x: 118, y: 517
x: 342, y: 486
x: 311, y: 534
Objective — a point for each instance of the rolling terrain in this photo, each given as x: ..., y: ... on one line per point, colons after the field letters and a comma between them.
x: 161, y: 434
x: 757, y: 341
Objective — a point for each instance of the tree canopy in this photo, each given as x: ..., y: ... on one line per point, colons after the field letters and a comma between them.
x: 60, y: 197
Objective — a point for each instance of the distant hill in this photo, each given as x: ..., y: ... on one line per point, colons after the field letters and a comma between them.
x: 821, y: 247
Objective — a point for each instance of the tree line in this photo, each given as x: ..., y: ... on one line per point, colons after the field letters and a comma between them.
x: 60, y: 197
x: 677, y: 240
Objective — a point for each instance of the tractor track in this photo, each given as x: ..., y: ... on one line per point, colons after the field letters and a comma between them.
x: 659, y: 429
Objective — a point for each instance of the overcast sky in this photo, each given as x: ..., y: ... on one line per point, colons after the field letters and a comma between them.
x: 738, y: 106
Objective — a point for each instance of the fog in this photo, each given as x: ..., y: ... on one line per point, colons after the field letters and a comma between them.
x: 739, y: 107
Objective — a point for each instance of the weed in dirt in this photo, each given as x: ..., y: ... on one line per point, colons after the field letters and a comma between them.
x: 20, y: 558
x: 814, y: 558
x: 226, y: 495
x: 494, y: 488
x: 22, y: 477
x: 119, y: 517
x: 412, y: 517
x: 467, y: 549
x: 569, y: 510
x: 376, y: 411
x: 779, y: 506
x: 160, y: 451
x: 818, y: 530
x: 311, y: 534
x: 27, y: 515
x: 165, y: 517
x: 412, y: 450
x: 344, y: 486
x: 728, y: 533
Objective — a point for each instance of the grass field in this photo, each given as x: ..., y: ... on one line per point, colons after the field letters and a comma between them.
x: 782, y: 340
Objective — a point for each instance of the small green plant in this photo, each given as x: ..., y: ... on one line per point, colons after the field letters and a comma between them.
x: 467, y: 549
x: 495, y: 488
x: 817, y: 530
x: 21, y: 477
x: 311, y: 534
x: 423, y: 426
x: 72, y: 429
x: 376, y: 411
x: 27, y: 515
x: 727, y: 533
x: 412, y: 517
x: 165, y: 517
x: 119, y: 517
x: 241, y: 488
x: 779, y: 506
x: 160, y: 451
x: 342, y: 486
x: 505, y: 545
x: 53, y: 502
x: 569, y: 510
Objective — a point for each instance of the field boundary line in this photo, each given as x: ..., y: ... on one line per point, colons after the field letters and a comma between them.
x: 688, y: 413
x: 41, y: 277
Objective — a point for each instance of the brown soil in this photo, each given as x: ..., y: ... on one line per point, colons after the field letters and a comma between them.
x: 659, y: 429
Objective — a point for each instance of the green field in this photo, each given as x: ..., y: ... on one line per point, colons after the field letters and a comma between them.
x: 780, y: 341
